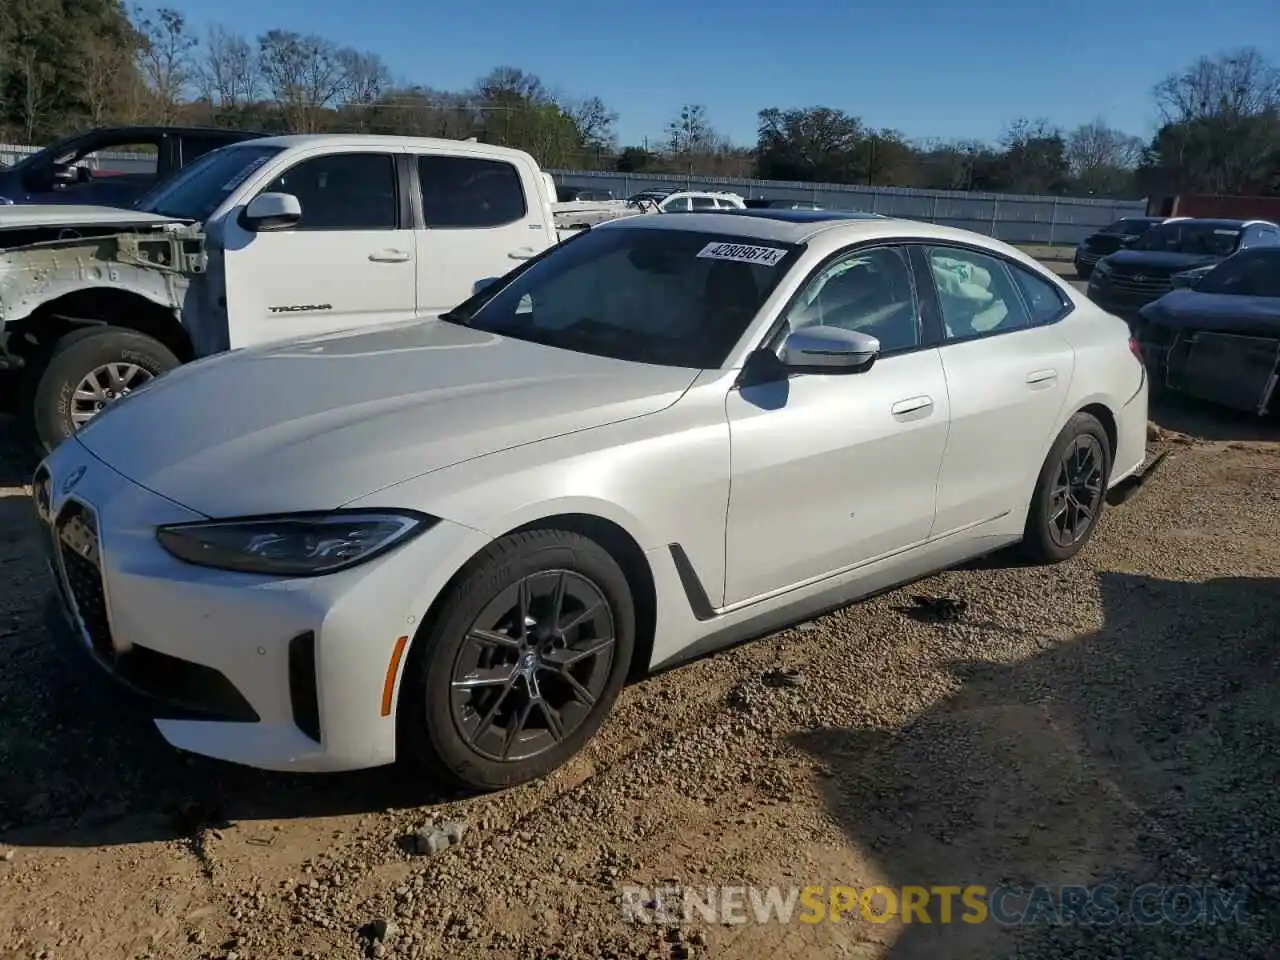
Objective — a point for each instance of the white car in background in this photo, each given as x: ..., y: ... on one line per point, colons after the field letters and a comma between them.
x: 451, y: 541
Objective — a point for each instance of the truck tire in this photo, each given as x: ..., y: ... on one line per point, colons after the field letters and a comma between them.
x: 83, y: 372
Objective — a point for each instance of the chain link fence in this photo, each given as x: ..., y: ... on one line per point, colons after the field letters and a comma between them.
x: 1013, y: 218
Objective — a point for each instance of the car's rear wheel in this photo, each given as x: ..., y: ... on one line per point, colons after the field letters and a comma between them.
x: 1070, y: 492
x: 519, y: 667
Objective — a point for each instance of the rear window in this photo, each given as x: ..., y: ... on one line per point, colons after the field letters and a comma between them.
x: 1250, y: 273
x: 669, y: 297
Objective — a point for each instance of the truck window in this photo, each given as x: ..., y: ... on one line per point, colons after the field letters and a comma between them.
x: 343, y: 191
x: 122, y: 159
x: 468, y: 193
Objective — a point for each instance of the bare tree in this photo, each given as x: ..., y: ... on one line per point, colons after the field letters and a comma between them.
x: 303, y: 74
x: 1100, y: 157
x: 690, y: 131
x: 595, y: 123
x: 101, y: 76
x: 227, y: 71
x: 165, y: 58
x: 1242, y: 83
x: 35, y: 79
x: 364, y: 76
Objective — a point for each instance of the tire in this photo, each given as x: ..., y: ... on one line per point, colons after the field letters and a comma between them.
x: 432, y: 715
x: 1039, y: 545
x: 52, y: 384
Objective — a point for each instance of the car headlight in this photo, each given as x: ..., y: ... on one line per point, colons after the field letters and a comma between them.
x: 1100, y: 269
x: 293, y: 545
x: 5, y: 202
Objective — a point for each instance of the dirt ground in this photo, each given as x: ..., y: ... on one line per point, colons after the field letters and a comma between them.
x: 1112, y: 720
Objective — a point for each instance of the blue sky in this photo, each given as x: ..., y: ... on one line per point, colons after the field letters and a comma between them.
x: 925, y: 67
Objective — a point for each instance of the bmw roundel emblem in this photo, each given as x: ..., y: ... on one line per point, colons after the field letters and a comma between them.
x: 74, y: 477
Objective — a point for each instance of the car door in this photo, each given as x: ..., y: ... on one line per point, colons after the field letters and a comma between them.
x: 347, y: 262
x: 834, y: 470
x: 1008, y: 373
x: 478, y: 222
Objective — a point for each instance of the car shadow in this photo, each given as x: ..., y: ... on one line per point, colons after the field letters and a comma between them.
x: 1208, y: 422
x: 1141, y: 753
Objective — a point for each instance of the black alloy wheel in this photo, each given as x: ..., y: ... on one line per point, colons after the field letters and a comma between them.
x: 1077, y: 491
x: 1070, y: 492
x: 520, y: 663
x: 534, y: 663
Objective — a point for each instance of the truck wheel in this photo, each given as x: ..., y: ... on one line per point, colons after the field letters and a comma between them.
x: 85, y: 371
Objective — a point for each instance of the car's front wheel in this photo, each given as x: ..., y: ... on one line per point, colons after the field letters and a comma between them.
x: 1070, y: 492
x: 85, y: 371
x: 519, y: 667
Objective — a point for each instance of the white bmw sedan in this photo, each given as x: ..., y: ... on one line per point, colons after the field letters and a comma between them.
x: 452, y: 541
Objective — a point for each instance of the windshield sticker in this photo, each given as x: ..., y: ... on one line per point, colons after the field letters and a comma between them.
x: 1227, y: 233
x: 741, y: 253
x: 243, y: 175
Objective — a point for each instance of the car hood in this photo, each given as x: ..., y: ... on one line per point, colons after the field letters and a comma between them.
x: 1219, y: 312
x: 1158, y: 260
x: 314, y: 424
x: 25, y: 215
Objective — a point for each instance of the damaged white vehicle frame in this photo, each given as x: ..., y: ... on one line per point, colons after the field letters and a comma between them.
x: 259, y: 242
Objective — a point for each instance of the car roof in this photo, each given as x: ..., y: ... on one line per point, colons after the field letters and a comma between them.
x: 388, y: 141
x: 1225, y: 222
x: 800, y: 226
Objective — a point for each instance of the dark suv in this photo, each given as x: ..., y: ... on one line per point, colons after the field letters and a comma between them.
x: 74, y: 170
x: 1127, y: 280
x: 1110, y: 239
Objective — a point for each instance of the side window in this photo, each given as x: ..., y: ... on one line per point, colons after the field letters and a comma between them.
x: 1045, y: 300
x: 460, y: 193
x: 976, y: 293
x: 703, y: 203
x: 869, y: 290
x: 679, y: 204
x: 343, y: 191
x: 118, y: 159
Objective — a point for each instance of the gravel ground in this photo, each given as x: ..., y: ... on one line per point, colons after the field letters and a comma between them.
x: 1111, y: 720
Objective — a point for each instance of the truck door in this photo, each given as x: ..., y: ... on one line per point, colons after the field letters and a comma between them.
x: 478, y: 222
x: 348, y: 262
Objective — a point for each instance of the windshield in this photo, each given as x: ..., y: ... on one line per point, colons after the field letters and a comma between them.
x: 670, y: 297
x: 202, y: 187
x: 1130, y: 226
x: 1189, y: 236
x: 1251, y: 273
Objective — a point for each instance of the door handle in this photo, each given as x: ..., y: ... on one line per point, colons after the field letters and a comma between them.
x: 389, y: 256
x: 524, y: 253
x: 1041, y: 378
x: 919, y: 406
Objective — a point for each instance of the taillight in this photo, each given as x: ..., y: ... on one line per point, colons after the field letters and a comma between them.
x: 1135, y: 348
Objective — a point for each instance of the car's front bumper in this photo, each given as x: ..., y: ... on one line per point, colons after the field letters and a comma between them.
x: 273, y: 673
x: 1085, y: 262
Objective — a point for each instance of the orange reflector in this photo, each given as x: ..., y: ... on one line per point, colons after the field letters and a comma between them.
x: 393, y: 668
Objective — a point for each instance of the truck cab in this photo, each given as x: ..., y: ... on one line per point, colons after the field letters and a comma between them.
x: 272, y: 239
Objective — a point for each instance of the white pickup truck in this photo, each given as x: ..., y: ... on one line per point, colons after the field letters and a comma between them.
x: 266, y: 240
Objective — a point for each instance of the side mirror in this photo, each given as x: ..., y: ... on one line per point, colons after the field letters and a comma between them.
x: 483, y: 284
x: 64, y: 174
x: 271, y: 211
x: 821, y: 349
